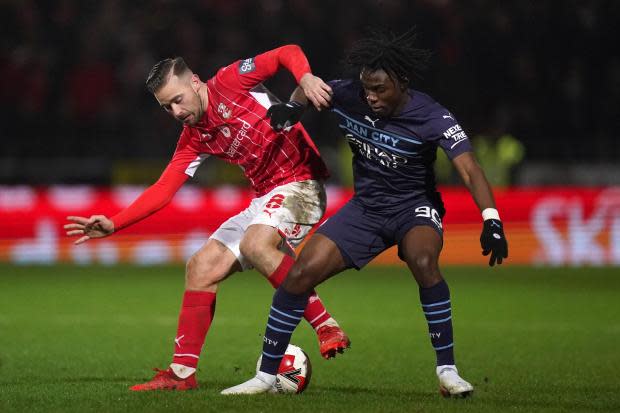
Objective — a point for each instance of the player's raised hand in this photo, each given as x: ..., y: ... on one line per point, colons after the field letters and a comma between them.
x: 284, y: 115
x: 493, y: 241
x: 317, y: 91
x: 97, y: 226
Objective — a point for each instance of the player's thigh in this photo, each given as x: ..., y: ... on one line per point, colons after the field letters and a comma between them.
x: 212, y: 263
x: 319, y: 260
x: 259, y: 239
x: 419, y: 235
x: 232, y: 231
x: 357, y: 233
x: 421, y: 241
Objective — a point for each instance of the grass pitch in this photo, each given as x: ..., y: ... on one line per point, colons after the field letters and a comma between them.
x: 73, y: 339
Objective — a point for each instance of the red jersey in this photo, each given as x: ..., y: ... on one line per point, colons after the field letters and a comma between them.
x: 234, y: 126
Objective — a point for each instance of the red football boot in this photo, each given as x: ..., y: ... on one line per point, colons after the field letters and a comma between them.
x: 331, y: 340
x: 166, y: 380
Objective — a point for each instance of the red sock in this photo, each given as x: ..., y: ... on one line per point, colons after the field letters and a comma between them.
x: 194, y: 322
x: 315, y: 312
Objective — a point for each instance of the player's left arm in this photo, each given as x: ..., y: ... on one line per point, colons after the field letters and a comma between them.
x: 492, y: 240
x: 247, y: 73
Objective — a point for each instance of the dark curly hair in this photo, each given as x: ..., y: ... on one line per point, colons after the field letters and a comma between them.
x: 395, y: 54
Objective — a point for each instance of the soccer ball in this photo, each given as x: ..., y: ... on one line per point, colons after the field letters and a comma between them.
x: 294, y: 372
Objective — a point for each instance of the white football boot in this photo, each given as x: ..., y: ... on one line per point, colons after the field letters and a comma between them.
x: 451, y: 384
x: 261, y: 383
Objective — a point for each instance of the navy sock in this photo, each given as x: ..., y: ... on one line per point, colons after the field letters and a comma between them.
x: 438, y: 312
x: 286, y: 312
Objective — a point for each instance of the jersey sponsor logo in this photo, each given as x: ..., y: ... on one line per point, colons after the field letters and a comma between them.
x: 224, y: 111
x: 455, y: 133
x: 242, y: 133
x: 391, y: 160
x: 247, y: 66
x: 430, y: 213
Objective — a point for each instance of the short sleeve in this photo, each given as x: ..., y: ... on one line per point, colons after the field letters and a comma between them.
x: 450, y: 136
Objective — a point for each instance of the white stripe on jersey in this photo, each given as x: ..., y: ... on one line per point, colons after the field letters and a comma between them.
x: 262, y: 98
x: 191, y: 168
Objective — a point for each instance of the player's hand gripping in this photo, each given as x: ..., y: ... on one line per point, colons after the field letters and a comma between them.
x: 284, y: 115
x: 493, y: 241
x: 317, y: 91
x: 97, y: 226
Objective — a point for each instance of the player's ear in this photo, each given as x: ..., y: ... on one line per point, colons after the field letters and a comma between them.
x: 404, y: 83
x: 195, y: 81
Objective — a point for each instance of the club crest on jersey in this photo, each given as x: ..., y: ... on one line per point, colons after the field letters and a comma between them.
x: 223, y: 110
x: 225, y: 131
x: 246, y: 66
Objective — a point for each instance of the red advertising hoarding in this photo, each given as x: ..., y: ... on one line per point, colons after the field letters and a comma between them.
x: 544, y: 226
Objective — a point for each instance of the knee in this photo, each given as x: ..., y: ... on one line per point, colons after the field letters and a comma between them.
x: 300, y: 279
x: 425, y: 268
x: 200, y: 273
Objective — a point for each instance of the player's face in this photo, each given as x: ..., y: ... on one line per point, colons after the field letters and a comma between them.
x: 384, y: 96
x: 179, y: 98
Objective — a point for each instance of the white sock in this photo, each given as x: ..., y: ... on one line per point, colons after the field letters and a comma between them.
x: 182, y: 371
x: 446, y: 366
x: 266, y: 378
x: 329, y: 322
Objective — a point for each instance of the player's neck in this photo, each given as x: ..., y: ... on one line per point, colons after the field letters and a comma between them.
x: 401, y: 106
x: 203, y: 93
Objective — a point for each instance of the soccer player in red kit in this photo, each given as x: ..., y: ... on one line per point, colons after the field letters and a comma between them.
x: 225, y: 117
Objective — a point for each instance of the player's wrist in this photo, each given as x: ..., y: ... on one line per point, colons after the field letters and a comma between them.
x: 490, y: 213
x: 303, y: 78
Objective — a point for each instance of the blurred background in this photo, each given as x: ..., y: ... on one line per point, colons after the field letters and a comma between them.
x: 536, y: 85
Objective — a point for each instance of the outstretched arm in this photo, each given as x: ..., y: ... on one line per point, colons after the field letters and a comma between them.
x: 492, y: 239
x: 150, y: 201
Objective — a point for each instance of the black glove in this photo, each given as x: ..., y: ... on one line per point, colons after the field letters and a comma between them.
x: 284, y: 115
x: 493, y: 241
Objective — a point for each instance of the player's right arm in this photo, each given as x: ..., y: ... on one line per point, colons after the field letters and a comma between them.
x: 150, y: 201
x: 186, y: 159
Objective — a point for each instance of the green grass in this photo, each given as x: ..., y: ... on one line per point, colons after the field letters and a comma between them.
x: 74, y: 339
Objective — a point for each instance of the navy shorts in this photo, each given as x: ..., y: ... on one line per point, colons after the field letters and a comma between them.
x: 361, y: 234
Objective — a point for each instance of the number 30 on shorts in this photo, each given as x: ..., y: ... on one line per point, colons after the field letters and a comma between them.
x: 431, y: 213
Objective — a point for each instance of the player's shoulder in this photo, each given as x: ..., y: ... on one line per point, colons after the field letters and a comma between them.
x: 345, y: 85
x: 346, y: 92
x: 429, y: 113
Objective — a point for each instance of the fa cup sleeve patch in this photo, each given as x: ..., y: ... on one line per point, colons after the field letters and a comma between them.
x: 246, y: 66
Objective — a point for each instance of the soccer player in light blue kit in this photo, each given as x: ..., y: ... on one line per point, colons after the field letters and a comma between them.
x: 394, y: 132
